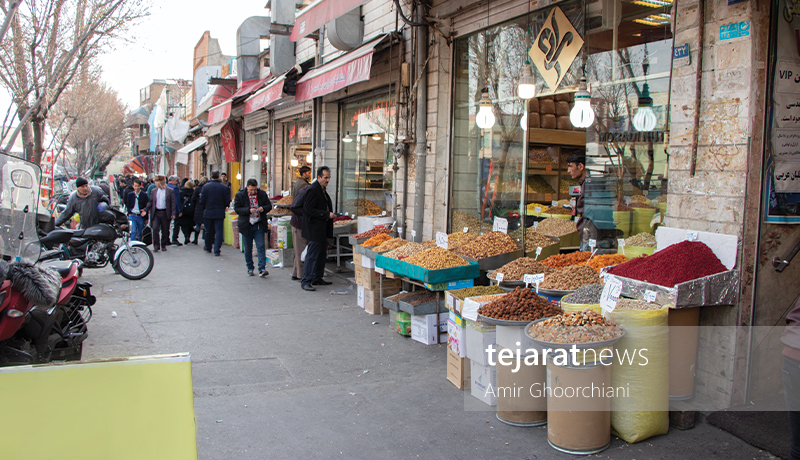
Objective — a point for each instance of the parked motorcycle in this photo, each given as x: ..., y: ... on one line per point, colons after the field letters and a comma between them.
x: 44, y: 309
x: 96, y: 246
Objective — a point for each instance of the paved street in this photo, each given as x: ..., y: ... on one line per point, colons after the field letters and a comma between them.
x: 282, y: 373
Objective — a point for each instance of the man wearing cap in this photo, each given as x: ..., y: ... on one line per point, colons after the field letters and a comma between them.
x: 84, y: 201
x: 176, y: 190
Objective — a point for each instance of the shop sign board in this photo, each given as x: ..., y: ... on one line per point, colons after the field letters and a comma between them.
x: 556, y: 47
x: 735, y: 30
x: 681, y: 56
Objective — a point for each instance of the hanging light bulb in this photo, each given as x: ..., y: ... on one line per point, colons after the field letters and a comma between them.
x: 294, y: 162
x: 645, y: 118
x: 347, y: 138
x: 376, y: 137
x: 309, y: 157
x: 582, y: 115
x: 527, y: 87
x: 485, y: 118
x: 238, y: 176
x: 255, y: 155
x: 523, y: 122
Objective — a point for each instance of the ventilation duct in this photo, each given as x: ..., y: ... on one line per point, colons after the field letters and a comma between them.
x: 248, y: 47
x: 281, y: 49
x: 347, y: 31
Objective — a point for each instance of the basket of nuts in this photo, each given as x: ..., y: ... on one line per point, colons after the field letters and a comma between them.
x: 583, y: 329
x: 491, y: 250
x: 432, y: 266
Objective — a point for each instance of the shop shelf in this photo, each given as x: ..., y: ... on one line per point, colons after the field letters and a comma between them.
x: 425, y: 308
x: 399, y: 267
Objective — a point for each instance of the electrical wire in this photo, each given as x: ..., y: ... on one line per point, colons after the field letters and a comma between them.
x: 404, y: 18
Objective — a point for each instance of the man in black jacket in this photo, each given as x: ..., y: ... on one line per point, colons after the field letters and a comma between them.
x: 214, y: 199
x: 317, y: 228
x: 252, y: 206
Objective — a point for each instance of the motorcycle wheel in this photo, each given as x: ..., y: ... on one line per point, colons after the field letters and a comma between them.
x: 135, y: 263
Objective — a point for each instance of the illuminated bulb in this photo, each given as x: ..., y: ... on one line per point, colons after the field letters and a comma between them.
x: 255, y: 156
x: 376, y: 137
x: 523, y: 122
x: 309, y: 158
x: 527, y: 87
x: 645, y: 118
x: 294, y: 162
x: 485, y: 118
x: 347, y: 138
x: 582, y: 115
x: 238, y: 176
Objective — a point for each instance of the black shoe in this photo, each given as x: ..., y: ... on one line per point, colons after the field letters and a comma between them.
x: 263, y: 273
x: 321, y: 283
x: 156, y: 249
x: 176, y: 243
x: 194, y: 242
x: 217, y: 254
x: 294, y: 278
x: 186, y: 242
x: 163, y: 249
x: 169, y: 243
x: 308, y: 287
x: 250, y: 273
x: 207, y: 250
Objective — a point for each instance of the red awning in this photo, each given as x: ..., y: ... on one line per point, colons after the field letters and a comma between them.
x: 249, y: 87
x: 320, y: 13
x: 265, y: 96
x: 219, y: 113
x: 345, y: 70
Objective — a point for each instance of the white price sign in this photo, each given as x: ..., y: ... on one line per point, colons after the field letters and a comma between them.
x: 691, y: 236
x: 538, y: 253
x: 534, y: 279
x: 650, y: 296
x: 466, y: 229
x: 535, y: 225
x: 500, y: 225
x: 554, y: 203
x: 441, y: 240
x: 621, y: 244
x: 538, y: 210
x: 499, y: 277
x: 611, y: 293
x: 383, y: 213
x: 592, y: 244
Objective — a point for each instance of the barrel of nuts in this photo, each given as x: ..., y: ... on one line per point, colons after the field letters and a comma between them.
x: 521, y: 304
x: 584, y: 326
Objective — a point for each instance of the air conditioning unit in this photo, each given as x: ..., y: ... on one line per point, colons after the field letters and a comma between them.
x: 603, y: 15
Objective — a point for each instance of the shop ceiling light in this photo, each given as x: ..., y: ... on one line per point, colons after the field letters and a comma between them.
x: 582, y: 114
x: 527, y: 87
x: 347, y: 138
x: 376, y: 137
x: 294, y: 162
x: 255, y: 155
x: 238, y: 176
x: 309, y: 158
x: 485, y: 118
x: 645, y: 119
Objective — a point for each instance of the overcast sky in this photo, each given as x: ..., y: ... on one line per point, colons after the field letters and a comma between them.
x: 162, y: 46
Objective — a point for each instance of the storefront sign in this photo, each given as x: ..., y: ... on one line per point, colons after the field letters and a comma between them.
x: 219, y: 113
x: 346, y: 74
x: 681, y: 56
x: 787, y: 177
x: 633, y: 136
x: 735, y: 30
x: 557, y: 45
x: 264, y: 97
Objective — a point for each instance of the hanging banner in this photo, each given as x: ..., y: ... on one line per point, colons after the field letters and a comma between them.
x: 229, y: 143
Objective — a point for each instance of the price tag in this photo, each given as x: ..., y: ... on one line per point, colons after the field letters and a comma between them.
x: 538, y: 210
x: 413, y: 233
x: 500, y: 225
x: 621, y: 244
x: 628, y: 200
x: 611, y: 293
x: 466, y: 229
x: 655, y: 202
x: 554, y: 203
x: 383, y: 213
x: 441, y: 240
x: 650, y: 296
x: 499, y: 277
x: 538, y: 253
x: 535, y: 225
x: 592, y: 244
x: 691, y: 236
x: 533, y: 279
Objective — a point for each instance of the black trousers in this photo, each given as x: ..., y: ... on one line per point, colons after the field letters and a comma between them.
x: 160, y: 228
x: 314, y: 266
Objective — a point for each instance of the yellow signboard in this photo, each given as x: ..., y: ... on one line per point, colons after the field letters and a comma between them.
x: 125, y: 409
x: 556, y: 47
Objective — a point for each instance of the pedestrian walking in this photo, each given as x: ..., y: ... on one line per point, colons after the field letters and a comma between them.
x: 252, y: 205
x: 176, y: 189
x: 186, y: 220
x: 214, y: 199
x: 136, y: 203
x: 317, y: 228
x: 198, y: 209
x: 162, y: 208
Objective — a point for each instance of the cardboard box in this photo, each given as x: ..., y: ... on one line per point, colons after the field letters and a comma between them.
x: 450, y: 285
x: 483, y: 379
x: 366, y: 262
x: 455, y: 335
x: 370, y: 279
x: 360, y: 296
x: 357, y: 260
x: 373, y: 300
x: 478, y: 337
x: 403, y: 321
x: 457, y: 370
x: 425, y: 328
x: 452, y: 302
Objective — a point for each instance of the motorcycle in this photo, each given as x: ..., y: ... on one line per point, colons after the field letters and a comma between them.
x: 96, y: 246
x: 44, y: 309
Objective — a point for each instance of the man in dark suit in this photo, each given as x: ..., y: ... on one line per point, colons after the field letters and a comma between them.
x: 214, y: 200
x: 252, y: 206
x: 162, y: 208
x: 317, y: 228
x: 136, y: 203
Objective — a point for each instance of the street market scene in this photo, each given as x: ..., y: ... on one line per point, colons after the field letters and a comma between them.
x: 400, y: 229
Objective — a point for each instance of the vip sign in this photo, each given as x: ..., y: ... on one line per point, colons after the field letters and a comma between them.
x: 556, y: 47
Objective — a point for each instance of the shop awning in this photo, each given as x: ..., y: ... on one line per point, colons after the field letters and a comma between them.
x: 320, y: 13
x: 249, y: 87
x: 217, y: 94
x: 219, y: 113
x: 196, y: 144
x: 214, y: 130
x: 265, y: 96
x: 343, y: 71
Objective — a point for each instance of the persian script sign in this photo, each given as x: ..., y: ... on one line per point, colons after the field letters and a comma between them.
x: 557, y: 45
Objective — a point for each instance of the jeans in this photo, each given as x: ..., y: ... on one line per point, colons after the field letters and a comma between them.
x: 791, y: 386
x: 137, y: 224
x: 257, y: 233
x: 314, y: 266
x: 214, y: 233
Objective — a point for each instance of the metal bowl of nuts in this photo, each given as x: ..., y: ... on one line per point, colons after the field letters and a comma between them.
x: 583, y: 329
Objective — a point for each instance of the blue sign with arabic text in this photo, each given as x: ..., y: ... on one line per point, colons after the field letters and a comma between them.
x: 735, y: 30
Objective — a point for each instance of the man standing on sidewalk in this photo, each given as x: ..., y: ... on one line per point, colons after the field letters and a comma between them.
x: 317, y: 228
x: 298, y: 242
x: 214, y: 200
x: 176, y: 190
x: 252, y: 205
x: 136, y: 203
x: 162, y: 208
x: 303, y: 181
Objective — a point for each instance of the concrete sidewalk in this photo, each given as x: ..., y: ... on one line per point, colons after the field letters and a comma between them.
x: 283, y: 373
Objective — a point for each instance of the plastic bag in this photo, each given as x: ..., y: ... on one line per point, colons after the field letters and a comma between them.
x: 648, y: 383
x: 303, y: 255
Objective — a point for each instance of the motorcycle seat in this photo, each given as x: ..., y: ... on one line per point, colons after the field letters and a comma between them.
x: 63, y: 267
